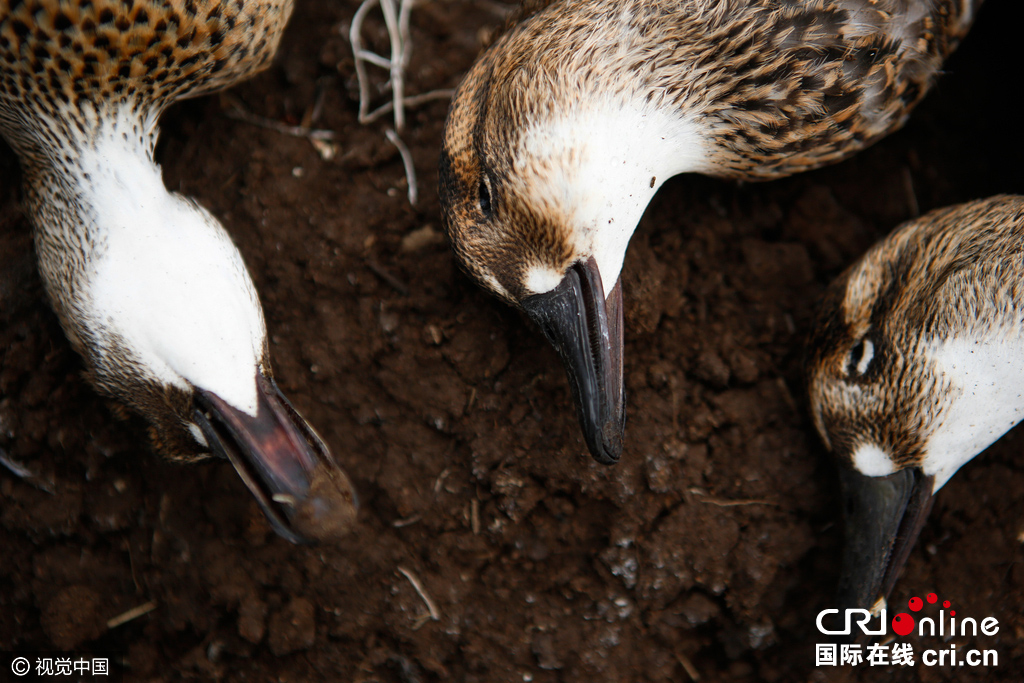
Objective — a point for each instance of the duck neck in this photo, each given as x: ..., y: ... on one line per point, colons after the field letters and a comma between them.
x: 983, y: 379
x: 141, y: 278
x: 88, y: 177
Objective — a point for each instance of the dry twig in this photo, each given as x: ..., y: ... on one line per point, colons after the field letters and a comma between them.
x: 431, y: 607
x: 387, y: 277
x: 240, y: 113
x: 14, y: 466
x: 396, y: 19
x: 723, y: 503
x: 688, y: 667
x: 410, y: 169
x: 132, y: 614
x: 474, y: 516
x: 401, y: 51
x: 23, y: 472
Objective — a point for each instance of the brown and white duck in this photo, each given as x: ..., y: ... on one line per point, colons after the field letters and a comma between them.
x: 915, y: 365
x: 568, y: 124
x: 147, y: 284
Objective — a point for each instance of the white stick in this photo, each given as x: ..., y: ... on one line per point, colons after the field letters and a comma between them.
x: 132, y: 614
x: 410, y: 170
x: 409, y: 102
x: 356, y: 39
x: 431, y: 607
x: 397, y: 68
x: 239, y: 113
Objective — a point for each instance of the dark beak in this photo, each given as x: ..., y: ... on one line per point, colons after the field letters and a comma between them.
x: 884, y: 516
x: 586, y: 330
x: 285, y: 464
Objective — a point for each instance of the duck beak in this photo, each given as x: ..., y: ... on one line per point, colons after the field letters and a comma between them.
x: 285, y: 464
x: 586, y: 330
x: 883, y: 516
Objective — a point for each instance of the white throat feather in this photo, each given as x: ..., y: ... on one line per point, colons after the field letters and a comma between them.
x: 159, y: 279
x: 985, y: 398
x: 595, y: 170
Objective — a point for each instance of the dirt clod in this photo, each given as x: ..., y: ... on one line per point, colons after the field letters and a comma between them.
x: 73, y: 616
x: 252, y: 618
x: 293, y: 628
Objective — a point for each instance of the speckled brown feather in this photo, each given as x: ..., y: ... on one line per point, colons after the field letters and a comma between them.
x: 782, y: 86
x: 57, y: 56
x: 958, y: 270
x: 64, y: 65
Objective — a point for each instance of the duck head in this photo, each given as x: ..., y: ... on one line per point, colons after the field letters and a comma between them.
x: 544, y: 175
x: 147, y: 284
x: 913, y: 369
x: 869, y: 394
x: 155, y: 296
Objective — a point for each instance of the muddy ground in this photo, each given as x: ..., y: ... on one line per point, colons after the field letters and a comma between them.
x: 706, y: 552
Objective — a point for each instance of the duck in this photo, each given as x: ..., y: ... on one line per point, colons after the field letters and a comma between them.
x: 147, y: 284
x: 569, y: 122
x: 915, y: 365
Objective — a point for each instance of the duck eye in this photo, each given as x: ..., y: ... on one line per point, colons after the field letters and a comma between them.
x: 860, y: 358
x: 485, y: 197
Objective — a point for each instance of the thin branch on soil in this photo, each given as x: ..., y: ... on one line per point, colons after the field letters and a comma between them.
x: 15, y: 467
x: 321, y: 139
x: 387, y: 277
x: 474, y: 516
x: 787, y: 394
x: 410, y: 102
x: 737, y: 503
x: 408, y: 521
x: 396, y: 19
x: 132, y: 614
x: 313, y: 113
x: 131, y: 563
x: 431, y: 607
x: 240, y: 113
x: 23, y: 472
x: 407, y: 669
x: 410, y: 169
x: 688, y: 667
x: 401, y: 50
x: 440, y: 480
x: 723, y: 503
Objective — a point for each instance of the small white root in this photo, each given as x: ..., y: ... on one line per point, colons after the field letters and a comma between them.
x: 434, y: 613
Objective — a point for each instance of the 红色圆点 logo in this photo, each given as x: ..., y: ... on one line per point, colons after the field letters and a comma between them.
x: 941, y: 623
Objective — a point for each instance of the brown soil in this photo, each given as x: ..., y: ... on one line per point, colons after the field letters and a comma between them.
x: 712, y: 545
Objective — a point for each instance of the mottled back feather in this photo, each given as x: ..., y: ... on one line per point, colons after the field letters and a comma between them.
x: 61, y: 59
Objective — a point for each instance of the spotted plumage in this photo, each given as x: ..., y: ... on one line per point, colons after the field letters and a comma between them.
x: 147, y: 284
x: 916, y: 364
x: 568, y: 123
x: 874, y: 376
x: 68, y: 68
x: 58, y: 55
